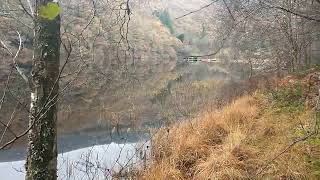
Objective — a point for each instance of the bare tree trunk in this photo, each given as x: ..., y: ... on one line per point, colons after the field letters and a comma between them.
x: 278, y: 67
x: 251, y: 69
x: 42, y: 148
x: 307, y: 58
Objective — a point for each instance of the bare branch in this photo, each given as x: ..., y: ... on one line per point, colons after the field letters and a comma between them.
x: 31, y: 8
x: 314, y: 132
x: 5, y: 89
x: 4, y: 46
x: 290, y: 11
x: 204, y: 7
x: 15, y: 62
x: 231, y: 15
x: 24, y: 9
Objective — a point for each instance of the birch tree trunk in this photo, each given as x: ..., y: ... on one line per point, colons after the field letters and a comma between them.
x: 42, y: 147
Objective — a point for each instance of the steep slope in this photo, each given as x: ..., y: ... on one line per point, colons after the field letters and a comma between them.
x: 267, y: 135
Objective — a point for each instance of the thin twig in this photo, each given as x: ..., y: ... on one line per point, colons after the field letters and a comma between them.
x: 5, y: 89
x: 314, y: 132
x: 24, y: 9
x: 191, y: 12
x: 289, y: 11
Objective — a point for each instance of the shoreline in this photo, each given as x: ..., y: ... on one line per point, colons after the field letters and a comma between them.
x: 82, y: 139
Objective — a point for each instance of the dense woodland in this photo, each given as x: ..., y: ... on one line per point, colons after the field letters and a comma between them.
x: 171, y: 89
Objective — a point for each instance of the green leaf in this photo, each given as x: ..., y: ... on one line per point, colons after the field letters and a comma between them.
x: 50, y: 11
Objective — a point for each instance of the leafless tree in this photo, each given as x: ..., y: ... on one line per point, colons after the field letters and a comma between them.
x: 42, y: 81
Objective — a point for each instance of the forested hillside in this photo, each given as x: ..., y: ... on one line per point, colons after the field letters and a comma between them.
x: 116, y: 85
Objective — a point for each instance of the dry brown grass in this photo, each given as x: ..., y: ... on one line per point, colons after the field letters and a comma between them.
x: 234, y: 143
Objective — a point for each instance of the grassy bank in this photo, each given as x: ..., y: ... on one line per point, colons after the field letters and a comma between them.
x: 258, y: 136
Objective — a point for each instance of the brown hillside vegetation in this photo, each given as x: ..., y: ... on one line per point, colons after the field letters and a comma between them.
x: 242, y: 140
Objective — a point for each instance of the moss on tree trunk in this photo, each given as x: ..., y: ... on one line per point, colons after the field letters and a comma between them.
x: 42, y: 148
